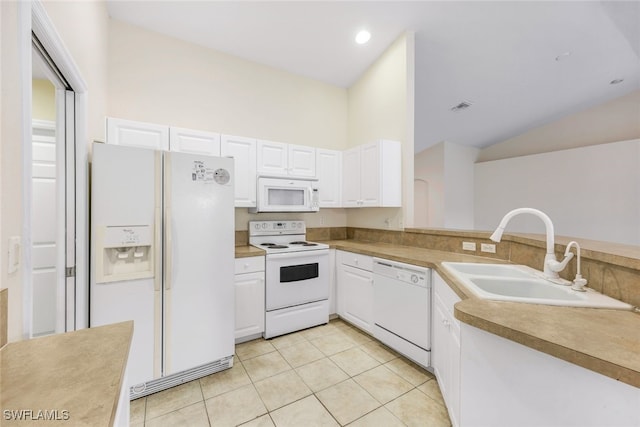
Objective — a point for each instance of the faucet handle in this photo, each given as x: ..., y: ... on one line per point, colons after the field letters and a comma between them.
x: 558, y: 266
x: 579, y: 283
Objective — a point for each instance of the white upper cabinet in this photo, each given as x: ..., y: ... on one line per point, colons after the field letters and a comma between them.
x: 137, y: 134
x: 272, y: 158
x: 329, y: 174
x: 194, y: 141
x: 280, y: 159
x: 243, y: 151
x: 372, y: 175
x: 302, y: 161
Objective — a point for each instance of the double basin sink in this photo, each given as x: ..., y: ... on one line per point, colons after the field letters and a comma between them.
x: 519, y: 283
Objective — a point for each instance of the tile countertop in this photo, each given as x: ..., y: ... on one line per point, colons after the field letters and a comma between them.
x: 604, y: 341
x: 80, y: 372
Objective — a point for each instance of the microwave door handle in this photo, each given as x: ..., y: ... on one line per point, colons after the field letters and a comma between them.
x: 302, y: 254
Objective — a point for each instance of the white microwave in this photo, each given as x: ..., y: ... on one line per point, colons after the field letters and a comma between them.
x: 286, y: 195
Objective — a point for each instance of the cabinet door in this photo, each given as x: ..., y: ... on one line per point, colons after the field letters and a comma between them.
x: 302, y: 161
x: 249, y: 304
x: 440, y: 353
x: 329, y: 173
x: 137, y: 134
x: 194, y: 141
x: 272, y: 158
x: 355, y: 300
x: 243, y: 151
x: 370, y: 174
x: 351, y: 178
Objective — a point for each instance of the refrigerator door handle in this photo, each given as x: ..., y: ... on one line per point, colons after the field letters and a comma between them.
x: 157, y: 281
x: 167, y: 249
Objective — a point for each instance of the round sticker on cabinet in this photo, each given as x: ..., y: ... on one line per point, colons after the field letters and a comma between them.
x: 221, y: 176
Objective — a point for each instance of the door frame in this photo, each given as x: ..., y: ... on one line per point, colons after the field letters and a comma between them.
x: 33, y: 17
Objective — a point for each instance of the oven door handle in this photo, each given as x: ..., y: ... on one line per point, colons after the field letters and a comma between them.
x: 301, y: 254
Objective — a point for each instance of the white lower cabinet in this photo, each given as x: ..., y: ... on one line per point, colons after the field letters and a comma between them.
x: 249, y: 287
x: 355, y: 289
x: 445, y: 348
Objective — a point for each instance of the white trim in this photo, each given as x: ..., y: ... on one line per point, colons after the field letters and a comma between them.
x: 24, y: 47
x: 61, y: 235
x: 32, y: 16
x: 44, y: 30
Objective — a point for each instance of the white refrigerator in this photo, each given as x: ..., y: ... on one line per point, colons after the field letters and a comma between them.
x: 162, y: 241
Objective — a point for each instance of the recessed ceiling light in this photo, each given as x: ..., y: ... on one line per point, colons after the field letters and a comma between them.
x: 363, y: 36
x: 616, y: 81
x: 563, y: 56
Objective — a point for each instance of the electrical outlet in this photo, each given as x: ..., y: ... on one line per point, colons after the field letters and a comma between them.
x: 488, y: 247
x: 468, y: 246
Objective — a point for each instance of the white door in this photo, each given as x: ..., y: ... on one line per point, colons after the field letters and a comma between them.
x: 137, y: 134
x: 44, y: 239
x: 329, y: 173
x: 194, y: 141
x: 273, y: 158
x: 302, y: 161
x: 52, y: 225
x: 351, y: 178
x: 243, y: 152
x: 199, y: 260
x: 370, y: 174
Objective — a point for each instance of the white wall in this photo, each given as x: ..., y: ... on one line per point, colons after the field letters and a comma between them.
x: 381, y: 107
x: 429, y: 166
x: 589, y: 192
x: 159, y: 79
x: 616, y: 120
x: 459, y: 185
x: 448, y: 170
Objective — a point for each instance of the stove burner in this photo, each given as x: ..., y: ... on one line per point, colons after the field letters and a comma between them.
x: 278, y: 247
x: 267, y: 244
x: 303, y: 243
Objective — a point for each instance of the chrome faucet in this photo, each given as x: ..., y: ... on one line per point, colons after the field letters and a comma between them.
x: 551, y: 265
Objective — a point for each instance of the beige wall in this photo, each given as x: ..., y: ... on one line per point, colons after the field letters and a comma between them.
x: 11, y: 158
x: 43, y: 100
x: 617, y: 120
x: 381, y: 107
x: 159, y: 79
x: 83, y: 27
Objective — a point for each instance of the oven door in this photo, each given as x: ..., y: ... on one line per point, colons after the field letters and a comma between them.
x: 295, y: 278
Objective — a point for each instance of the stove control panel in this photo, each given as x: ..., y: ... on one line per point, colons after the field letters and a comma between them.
x: 270, y: 228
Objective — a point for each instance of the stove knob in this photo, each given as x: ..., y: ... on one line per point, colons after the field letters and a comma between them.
x: 414, y: 278
x: 264, y: 225
x: 256, y: 226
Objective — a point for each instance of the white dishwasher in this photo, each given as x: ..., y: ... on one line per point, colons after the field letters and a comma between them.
x: 402, y: 308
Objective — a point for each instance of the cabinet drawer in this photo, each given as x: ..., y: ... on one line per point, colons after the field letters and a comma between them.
x: 364, y: 262
x: 249, y: 265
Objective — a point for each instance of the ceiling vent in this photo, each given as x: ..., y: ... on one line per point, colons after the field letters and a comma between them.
x: 461, y: 106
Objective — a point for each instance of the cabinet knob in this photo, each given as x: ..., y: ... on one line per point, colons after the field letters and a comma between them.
x: 446, y: 323
x: 246, y: 266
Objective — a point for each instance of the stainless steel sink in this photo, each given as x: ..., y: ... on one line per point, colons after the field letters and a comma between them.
x: 519, y: 283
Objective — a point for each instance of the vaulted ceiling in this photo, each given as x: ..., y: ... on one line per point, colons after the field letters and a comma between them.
x: 520, y: 64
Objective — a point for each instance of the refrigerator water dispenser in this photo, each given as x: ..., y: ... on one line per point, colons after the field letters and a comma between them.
x: 124, y: 253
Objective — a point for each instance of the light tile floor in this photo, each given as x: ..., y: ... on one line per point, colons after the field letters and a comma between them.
x: 330, y: 375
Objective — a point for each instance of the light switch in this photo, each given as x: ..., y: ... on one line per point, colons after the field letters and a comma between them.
x: 14, y: 254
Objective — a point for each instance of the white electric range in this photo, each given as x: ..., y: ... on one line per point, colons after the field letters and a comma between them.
x: 297, y: 276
